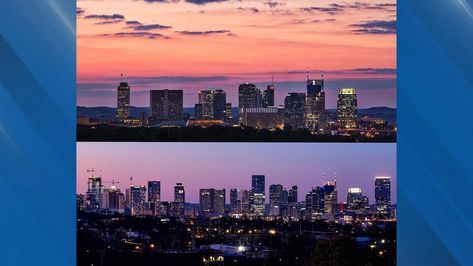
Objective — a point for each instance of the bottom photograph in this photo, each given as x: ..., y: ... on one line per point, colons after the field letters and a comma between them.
x: 236, y: 204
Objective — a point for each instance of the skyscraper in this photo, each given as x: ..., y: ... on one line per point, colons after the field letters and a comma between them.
x: 263, y: 117
x: 249, y: 96
x: 123, y: 101
x: 330, y: 197
x: 292, y: 197
x: 356, y: 202
x: 178, y: 205
x: 347, y: 108
x: 212, y: 201
x: 257, y: 197
x: 268, y: 95
x: 154, y: 196
x: 214, y: 104
x: 315, y: 102
x: 234, y: 199
x: 166, y: 105
x: 278, y: 198
x: 94, y: 193
x: 137, y: 200
x: 295, y: 105
x: 314, y: 202
x: 382, y: 194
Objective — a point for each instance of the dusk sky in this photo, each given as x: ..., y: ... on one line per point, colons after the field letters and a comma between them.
x: 207, y: 44
x: 230, y: 165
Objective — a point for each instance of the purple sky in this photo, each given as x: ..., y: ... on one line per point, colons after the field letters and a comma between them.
x: 230, y: 165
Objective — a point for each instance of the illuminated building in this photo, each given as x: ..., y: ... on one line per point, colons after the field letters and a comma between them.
x: 356, y: 202
x: 154, y: 196
x: 263, y: 118
x: 178, y: 205
x: 295, y: 105
x: 198, y: 115
x: 228, y: 113
x: 347, y: 108
x: 382, y: 194
x: 94, y: 193
x: 257, y: 197
x: 278, y: 198
x: 330, y: 197
x: 212, y: 201
x: 314, y: 202
x: 268, y: 95
x: 123, y: 101
x: 137, y: 200
x: 249, y: 96
x: 166, y: 105
x: 213, y: 104
x: 315, y: 102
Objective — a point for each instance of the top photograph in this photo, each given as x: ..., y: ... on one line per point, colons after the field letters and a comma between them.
x: 236, y: 71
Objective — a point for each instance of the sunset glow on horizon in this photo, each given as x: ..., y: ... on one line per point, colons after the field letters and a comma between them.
x: 199, y: 44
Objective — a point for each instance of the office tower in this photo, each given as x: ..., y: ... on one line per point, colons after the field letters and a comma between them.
x: 295, y: 105
x: 212, y: 201
x: 137, y: 200
x: 263, y: 118
x: 382, y: 194
x: 115, y: 199
x: 206, y: 101
x: 331, y: 197
x: 219, y: 105
x: 356, y: 202
x: 347, y: 108
x: 234, y: 199
x: 314, y: 202
x: 249, y: 96
x: 292, y: 197
x: 315, y: 102
x: 228, y: 115
x: 244, y: 201
x: 154, y: 196
x: 268, y: 95
x: 178, y: 204
x: 278, y: 198
x: 198, y: 111
x: 166, y: 105
x: 123, y: 101
x: 257, y: 197
x: 94, y: 193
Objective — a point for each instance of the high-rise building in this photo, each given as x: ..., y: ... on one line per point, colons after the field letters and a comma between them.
x: 249, y: 96
x: 214, y: 104
x: 137, y: 200
x: 292, y: 197
x: 166, y: 105
x: 330, y: 197
x: 263, y: 117
x: 347, y: 107
x: 123, y: 101
x: 382, y: 194
x: 198, y: 111
x: 314, y: 202
x: 244, y: 201
x: 94, y: 193
x: 234, y: 199
x: 278, y: 199
x: 356, y: 202
x: 178, y: 205
x: 295, y: 105
x: 268, y: 95
x: 257, y: 197
x: 315, y: 102
x: 228, y: 113
x: 154, y: 196
x: 212, y: 201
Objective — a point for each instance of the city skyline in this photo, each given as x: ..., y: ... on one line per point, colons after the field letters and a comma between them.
x: 156, y: 48
x: 352, y: 172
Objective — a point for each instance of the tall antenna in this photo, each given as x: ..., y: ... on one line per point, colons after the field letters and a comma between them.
x: 322, y: 76
x: 131, y: 181
x: 272, y: 80
x: 307, y: 73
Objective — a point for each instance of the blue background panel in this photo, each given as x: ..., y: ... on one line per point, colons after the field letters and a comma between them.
x: 435, y: 110
x: 37, y: 132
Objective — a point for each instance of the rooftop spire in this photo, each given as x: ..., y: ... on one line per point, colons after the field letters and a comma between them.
x: 307, y: 73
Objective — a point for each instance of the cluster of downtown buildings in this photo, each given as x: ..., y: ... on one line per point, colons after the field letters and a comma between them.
x: 320, y: 203
x: 257, y: 109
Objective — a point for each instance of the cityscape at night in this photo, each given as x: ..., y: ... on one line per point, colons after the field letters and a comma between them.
x: 275, y: 214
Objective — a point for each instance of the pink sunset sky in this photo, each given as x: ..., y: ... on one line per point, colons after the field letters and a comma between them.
x: 201, y: 44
